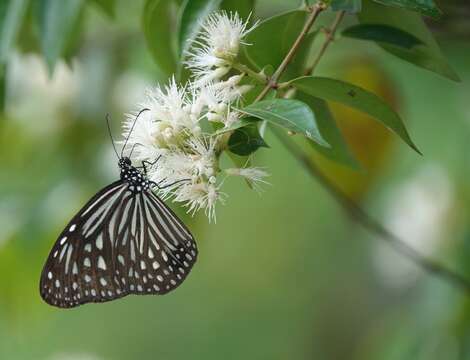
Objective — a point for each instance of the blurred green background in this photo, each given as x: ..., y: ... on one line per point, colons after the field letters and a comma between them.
x: 284, y: 275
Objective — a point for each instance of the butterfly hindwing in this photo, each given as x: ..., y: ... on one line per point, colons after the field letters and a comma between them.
x: 69, y: 275
x: 120, y: 243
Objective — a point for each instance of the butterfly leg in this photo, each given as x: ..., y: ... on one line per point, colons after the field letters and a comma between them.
x: 145, y: 163
x: 160, y: 187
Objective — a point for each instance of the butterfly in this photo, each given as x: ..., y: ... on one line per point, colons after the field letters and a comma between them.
x: 125, y: 240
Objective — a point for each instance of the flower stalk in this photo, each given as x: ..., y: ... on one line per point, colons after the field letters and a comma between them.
x: 259, y: 77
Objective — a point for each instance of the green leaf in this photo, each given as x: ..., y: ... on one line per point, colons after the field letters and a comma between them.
x: 243, y: 7
x: 190, y: 21
x: 351, y: 6
x: 246, y: 140
x: 427, y: 56
x: 107, y: 6
x: 339, y: 151
x: 425, y: 7
x: 156, y: 23
x: 384, y: 34
x: 11, y: 18
x: 57, y: 20
x: 272, y: 38
x: 293, y: 115
x: 357, y: 98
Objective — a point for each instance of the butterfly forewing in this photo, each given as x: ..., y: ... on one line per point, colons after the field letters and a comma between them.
x: 121, y: 242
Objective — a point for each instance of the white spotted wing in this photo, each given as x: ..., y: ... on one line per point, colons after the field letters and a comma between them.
x: 120, y: 243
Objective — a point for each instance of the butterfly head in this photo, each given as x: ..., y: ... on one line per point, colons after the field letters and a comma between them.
x: 124, y: 162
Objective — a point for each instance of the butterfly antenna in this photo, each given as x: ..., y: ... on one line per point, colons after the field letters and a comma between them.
x: 111, y: 135
x: 132, y: 150
x: 132, y: 128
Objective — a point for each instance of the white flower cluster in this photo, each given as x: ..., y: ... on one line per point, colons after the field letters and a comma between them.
x: 217, y: 47
x: 170, y: 132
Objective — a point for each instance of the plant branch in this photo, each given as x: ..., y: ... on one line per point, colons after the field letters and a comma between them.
x: 330, y: 35
x: 360, y: 216
x: 348, y: 204
x: 315, y: 10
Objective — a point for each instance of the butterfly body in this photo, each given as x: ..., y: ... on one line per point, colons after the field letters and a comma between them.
x: 137, y: 181
x: 125, y: 240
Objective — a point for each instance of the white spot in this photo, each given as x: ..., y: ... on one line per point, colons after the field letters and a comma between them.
x: 151, y: 255
x: 131, y: 272
x: 160, y: 278
x: 87, y: 278
x: 86, y: 293
x: 173, y: 282
x: 139, y: 287
x: 110, y: 293
x: 99, y: 242
x: 142, y: 265
x: 57, y: 283
x: 136, y: 275
x: 62, y: 253
x: 164, y: 255
x: 155, y: 265
x: 181, y: 270
x: 87, y: 262
x: 49, y: 275
x: 103, y: 281
x: 193, y: 253
x: 87, y: 247
x: 93, y: 292
x: 185, y: 263
x: 131, y: 287
x: 72, y: 228
x: 75, y: 286
x: 178, y: 276
x: 188, y: 257
x: 101, y: 263
x: 103, y: 293
x: 118, y: 291
x: 63, y: 240
x: 78, y: 296
x: 121, y: 259
x: 55, y: 253
x: 166, y: 272
x: 155, y: 286
x: 75, y: 268
x: 123, y: 280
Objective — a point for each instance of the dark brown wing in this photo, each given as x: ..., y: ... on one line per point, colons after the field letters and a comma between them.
x: 120, y: 243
